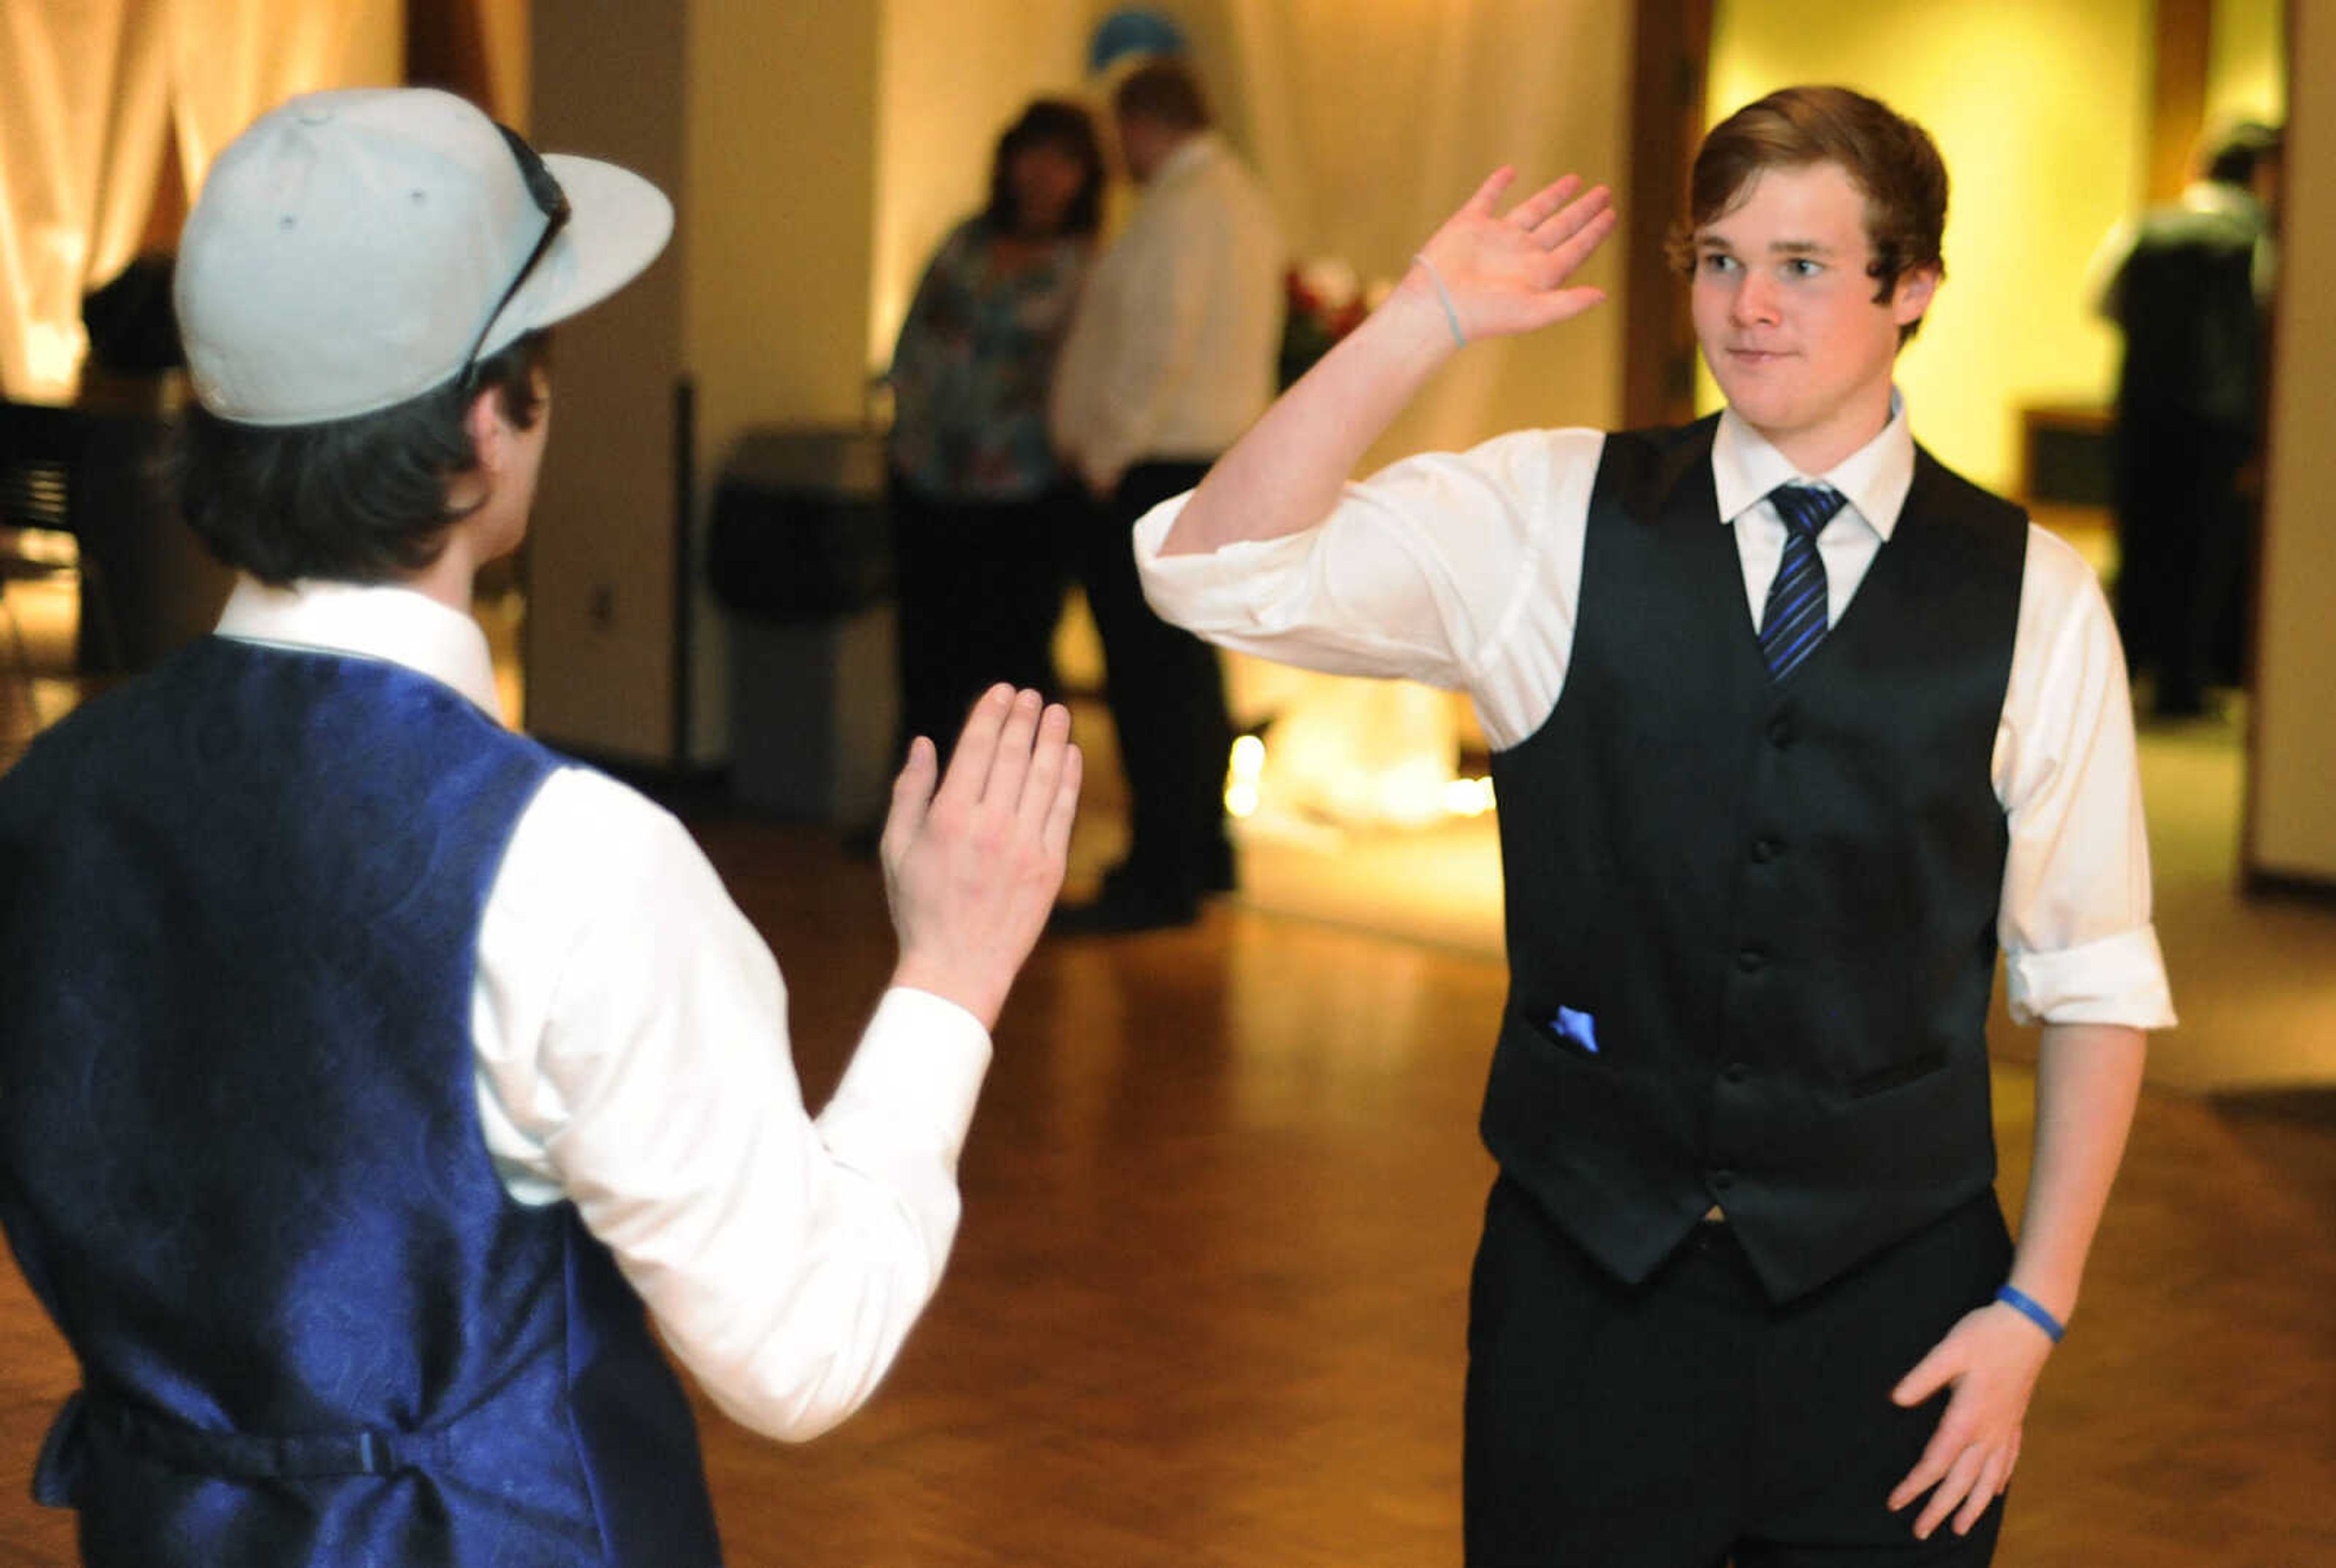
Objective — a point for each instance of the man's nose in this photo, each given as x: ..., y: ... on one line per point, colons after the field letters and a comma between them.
x: 1756, y: 298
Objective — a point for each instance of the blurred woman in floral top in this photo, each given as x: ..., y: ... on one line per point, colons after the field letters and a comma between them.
x: 978, y: 497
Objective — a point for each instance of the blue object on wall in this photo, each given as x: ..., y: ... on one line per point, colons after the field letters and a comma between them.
x: 1131, y: 30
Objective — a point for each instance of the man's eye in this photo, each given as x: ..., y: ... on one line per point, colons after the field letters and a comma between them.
x: 1802, y: 267
x: 1712, y: 262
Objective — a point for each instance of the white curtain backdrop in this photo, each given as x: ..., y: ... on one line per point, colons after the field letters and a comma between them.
x: 58, y: 62
x: 1370, y: 121
x: 138, y: 122
x: 229, y: 59
x: 88, y: 89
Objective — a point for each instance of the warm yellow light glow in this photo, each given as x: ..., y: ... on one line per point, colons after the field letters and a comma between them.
x: 1469, y: 797
x: 1242, y: 770
x: 1412, y: 796
x: 1414, y: 792
x: 52, y: 355
x: 2246, y: 65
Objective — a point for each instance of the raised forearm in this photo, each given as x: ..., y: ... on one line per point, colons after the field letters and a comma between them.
x: 1284, y: 475
x: 1493, y: 275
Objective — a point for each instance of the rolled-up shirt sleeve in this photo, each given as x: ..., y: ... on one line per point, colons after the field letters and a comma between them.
x: 1457, y: 570
x: 633, y: 1056
x: 2074, y: 922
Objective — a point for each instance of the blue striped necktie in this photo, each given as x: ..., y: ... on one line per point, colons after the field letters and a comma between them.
x: 1794, y: 621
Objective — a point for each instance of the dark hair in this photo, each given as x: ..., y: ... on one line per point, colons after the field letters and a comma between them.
x: 2232, y: 156
x: 359, y: 500
x: 1057, y: 123
x: 1889, y: 158
x: 1165, y: 92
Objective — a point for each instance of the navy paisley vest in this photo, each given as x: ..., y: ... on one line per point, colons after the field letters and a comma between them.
x: 240, y: 1159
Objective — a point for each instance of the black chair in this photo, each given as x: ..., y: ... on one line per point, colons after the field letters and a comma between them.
x: 44, y: 457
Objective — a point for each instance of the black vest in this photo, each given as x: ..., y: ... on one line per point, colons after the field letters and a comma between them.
x: 1751, y: 928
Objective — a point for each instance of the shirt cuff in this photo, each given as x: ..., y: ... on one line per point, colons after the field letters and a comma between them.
x: 1225, y: 590
x: 916, y: 1076
x: 2118, y: 979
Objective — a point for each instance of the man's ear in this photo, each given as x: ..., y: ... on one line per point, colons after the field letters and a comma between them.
x: 1914, y: 294
x: 489, y: 431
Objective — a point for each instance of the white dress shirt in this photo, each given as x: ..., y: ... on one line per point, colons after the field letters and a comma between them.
x: 1463, y: 570
x: 1172, y: 350
x: 630, y: 1033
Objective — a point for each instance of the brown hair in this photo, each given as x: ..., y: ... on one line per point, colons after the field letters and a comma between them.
x: 356, y: 499
x: 1889, y: 158
x: 1049, y: 123
x: 1165, y: 92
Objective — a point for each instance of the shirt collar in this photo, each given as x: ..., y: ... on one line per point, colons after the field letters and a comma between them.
x: 1191, y: 154
x: 2224, y: 200
x: 1873, y: 479
x: 394, y: 625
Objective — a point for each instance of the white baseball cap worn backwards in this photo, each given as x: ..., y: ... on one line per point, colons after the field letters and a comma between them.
x: 354, y: 249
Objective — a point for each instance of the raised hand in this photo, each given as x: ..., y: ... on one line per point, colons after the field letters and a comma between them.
x: 1503, y: 273
x: 971, y: 867
x: 1506, y: 272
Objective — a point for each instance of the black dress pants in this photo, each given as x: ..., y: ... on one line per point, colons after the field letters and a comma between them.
x: 980, y: 587
x: 1688, y: 1422
x: 1166, y: 692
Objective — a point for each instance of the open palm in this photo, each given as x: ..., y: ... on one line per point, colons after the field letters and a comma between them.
x: 1507, y: 272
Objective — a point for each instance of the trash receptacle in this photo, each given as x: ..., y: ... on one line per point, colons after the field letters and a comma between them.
x: 801, y: 557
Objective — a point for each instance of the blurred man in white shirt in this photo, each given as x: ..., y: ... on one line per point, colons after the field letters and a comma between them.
x: 1170, y: 358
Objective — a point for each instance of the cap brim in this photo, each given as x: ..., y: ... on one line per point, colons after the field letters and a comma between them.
x: 618, y: 224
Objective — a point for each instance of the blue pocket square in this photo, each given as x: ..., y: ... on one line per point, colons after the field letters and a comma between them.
x: 1579, y: 1027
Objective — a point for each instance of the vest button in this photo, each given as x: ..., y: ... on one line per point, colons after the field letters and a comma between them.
x: 1765, y: 849
x: 1750, y: 958
x: 1721, y: 1179
x: 1780, y: 732
x: 1736, y: 1072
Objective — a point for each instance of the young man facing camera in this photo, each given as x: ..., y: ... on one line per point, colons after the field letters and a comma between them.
x: 1792, y: 728
x: 365, y: 1068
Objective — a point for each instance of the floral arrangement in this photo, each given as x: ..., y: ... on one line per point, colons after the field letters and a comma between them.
x: 1327, y: 300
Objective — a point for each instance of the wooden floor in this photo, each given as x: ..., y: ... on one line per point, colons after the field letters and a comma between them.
x: 1207, y: 1307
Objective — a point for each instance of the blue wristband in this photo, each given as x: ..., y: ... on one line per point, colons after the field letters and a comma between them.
x: 2029, y: 1308
x: 1451, y: 316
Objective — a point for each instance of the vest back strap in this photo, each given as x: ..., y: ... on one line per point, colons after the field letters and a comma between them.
x: 93, y: 1418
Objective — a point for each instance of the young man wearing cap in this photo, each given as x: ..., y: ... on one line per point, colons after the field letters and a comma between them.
x: 1792, y: 728
x: 366, y: 1068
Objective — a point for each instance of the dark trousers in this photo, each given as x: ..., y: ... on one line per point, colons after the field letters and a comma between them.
x: 1167, y: 698
x: 2181, y: 547
x: 980, y: 590
x: 1688, y: 1422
